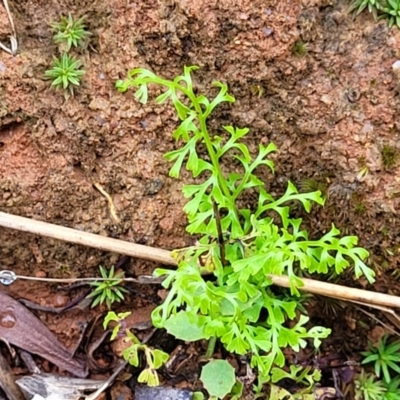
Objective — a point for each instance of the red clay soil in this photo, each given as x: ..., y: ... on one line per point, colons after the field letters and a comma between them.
x: 305, y: 75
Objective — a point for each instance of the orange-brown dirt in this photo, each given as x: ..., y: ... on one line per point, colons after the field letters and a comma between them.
x: 331, y: 112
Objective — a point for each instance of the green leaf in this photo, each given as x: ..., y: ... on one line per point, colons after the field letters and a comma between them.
x: 183, y: 327
x: 217, y: 194
x: 199, y: 203
x: 215, y: 327
x: 234, y: 340
x: 198, y: 396
x: 142, y: 94
x: 179, y: 156
x: 278, y: 393
x: 149, y: 376
x: 159, y: 358
x: 131, y: 355
x: 187, y: 126
x: 182, y: 110
x: 187, y: 76
x: 163, y: 97
x: 222, y: 96
x: 361, y: 269
x: 218, y: 377
x: 111, y: 316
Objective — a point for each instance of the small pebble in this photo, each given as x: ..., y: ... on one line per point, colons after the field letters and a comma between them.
x: 326, y: 99
x: 60, y: 300
x: 268, y: 31
x: 367, y: 128
x: 396, y: 68
x: 40, y: 274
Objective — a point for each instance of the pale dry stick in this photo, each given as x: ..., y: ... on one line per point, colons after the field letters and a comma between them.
x: 372, y: 316
x: 111, y: 207
x: 388, y: 312
x: 107, y: 383
x: 341, y: 292
x: 86, y: 239
x: 164, y: 257
x: 7, y: 381
x: 9, y: 15
x: 13, y: 37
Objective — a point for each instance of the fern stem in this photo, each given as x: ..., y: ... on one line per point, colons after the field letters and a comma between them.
x: 211, y: 347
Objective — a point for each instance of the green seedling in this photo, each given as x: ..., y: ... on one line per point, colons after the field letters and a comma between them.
x: 358, y: 6
x: 154, y: 358
x: 70, y: 32
x: 380, y: 9
x: 385, y: 356
x: 391, y: 11
x: 65, y: 72
x: 238, y: 247
x: 392, y: 389
x: 357, y: 203
x: 367, y: 387
x: 109, y: 290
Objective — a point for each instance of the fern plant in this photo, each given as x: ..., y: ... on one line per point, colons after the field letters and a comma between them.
x: 239, y: 246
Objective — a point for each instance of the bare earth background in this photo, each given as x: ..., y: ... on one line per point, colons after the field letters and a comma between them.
x: 330, y: 112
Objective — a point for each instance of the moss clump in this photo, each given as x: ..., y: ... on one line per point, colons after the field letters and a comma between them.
x: 390, y: 156
x: 311, y: 185
x: 299, y: 48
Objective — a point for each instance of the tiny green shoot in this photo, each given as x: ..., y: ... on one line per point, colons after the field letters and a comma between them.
x: 70, y: 32
x: 368, y: 387
x: 108, y: 290
x: 392, y: 389
x: 299, y: 48
x: 391, y: 12
x: 385, y: 356
x: 380, y: 9
x: 358, y: 6
x: 154, y: 358
x: 65, y: 72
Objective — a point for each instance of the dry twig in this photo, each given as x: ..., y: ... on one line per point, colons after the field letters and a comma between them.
x: 164, y: 257
x: 13, y: 38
